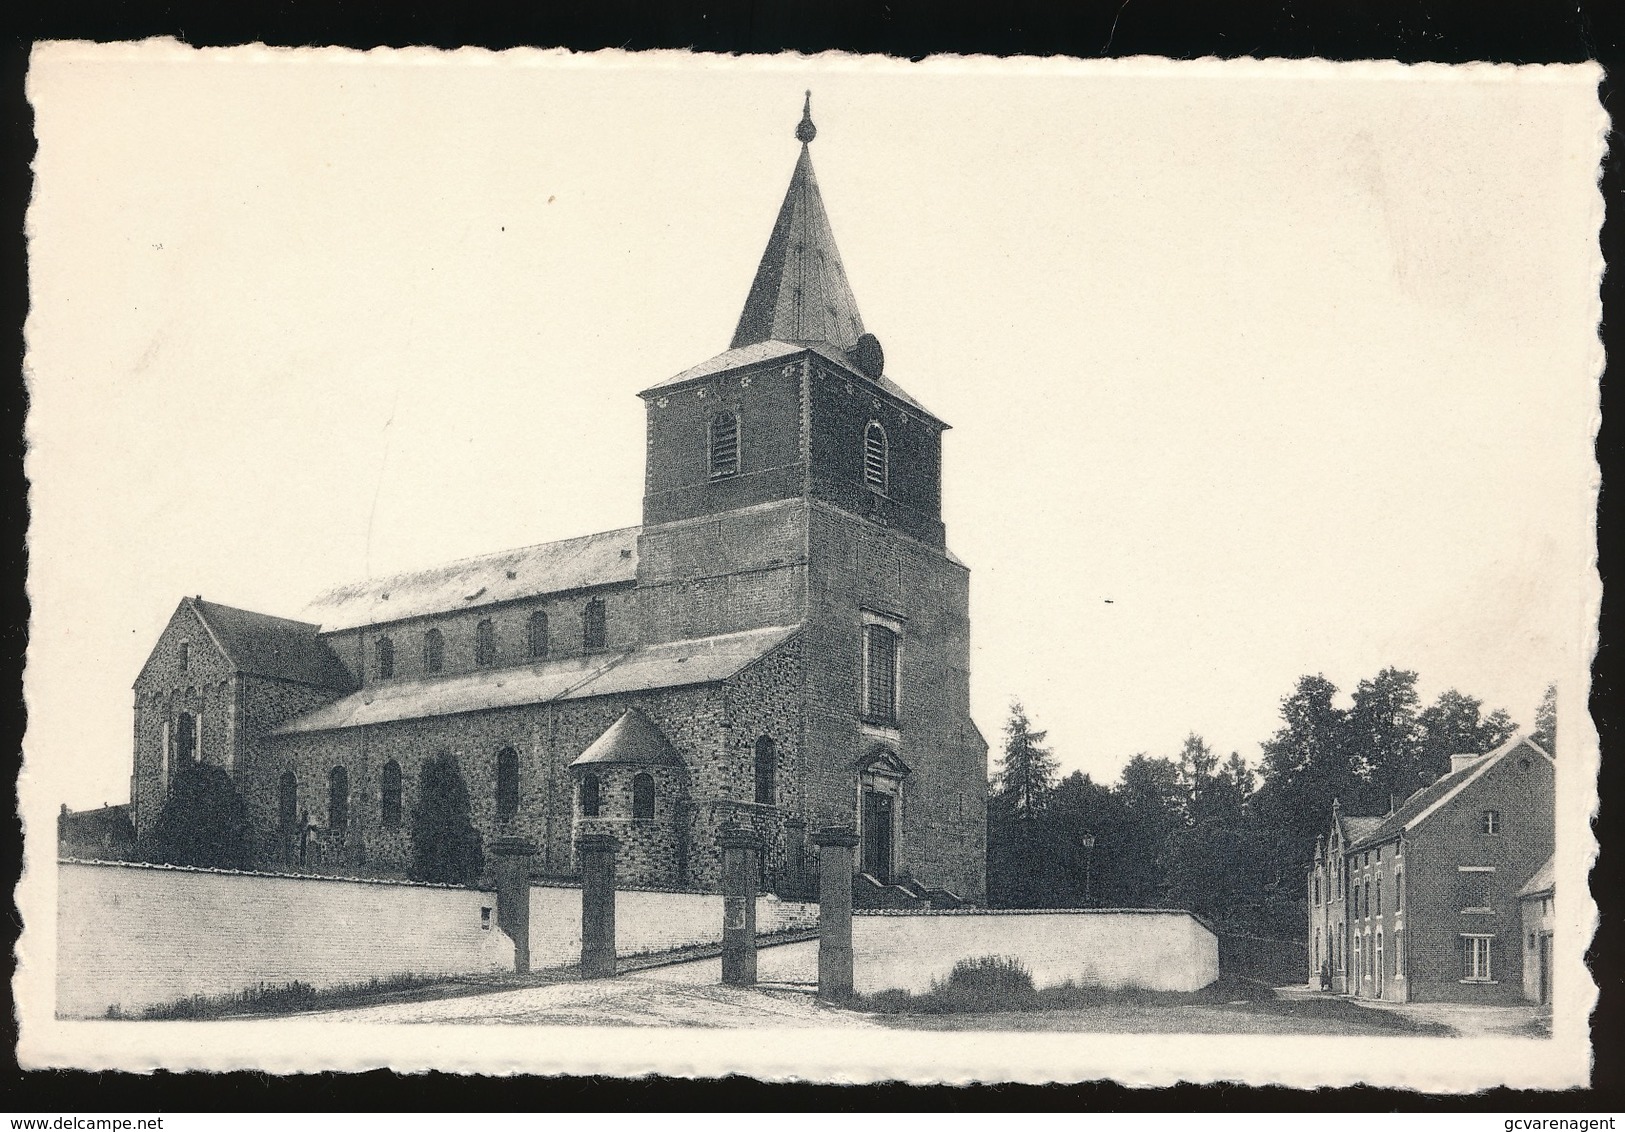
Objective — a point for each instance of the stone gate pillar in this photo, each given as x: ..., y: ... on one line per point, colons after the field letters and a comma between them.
x: 597, y: 854
x: 512, y: 869
x: 741, y: 872
x: 835, y: 845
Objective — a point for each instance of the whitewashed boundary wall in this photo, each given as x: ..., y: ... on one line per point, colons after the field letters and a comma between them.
x: 646, y: 921
x: 134, y: 936
x: 1152, y: 949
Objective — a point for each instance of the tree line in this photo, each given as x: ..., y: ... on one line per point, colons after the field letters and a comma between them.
x: 1214, y: 835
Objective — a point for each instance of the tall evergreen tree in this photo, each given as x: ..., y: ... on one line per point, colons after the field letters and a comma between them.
x: 1307, y: 763
x: 1545, y: 732
x: 1027, y: 770
x: 445, y: 845
x: 1384, y: 737
x: 1454, y: 724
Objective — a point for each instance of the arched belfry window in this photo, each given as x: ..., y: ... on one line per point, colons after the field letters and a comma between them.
x: 643, y: 797
x: 767, y: 765
x: 389, y: 795
x: 338, y: 802
x: 590, y: 800
x: 507, y: 782
x: 434, y: 651
x: 724, y: 445
x: 485, y: 644
x: 536, y: 635
x: 875, y: 454
x: 385, y: 649
x: 592, y: 624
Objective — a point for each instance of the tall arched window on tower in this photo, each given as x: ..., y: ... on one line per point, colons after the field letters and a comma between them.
x: 389, y: 796
x: 338, y: 803
x: 879, y: 674
x: 767, y: 765
x: 875, y: 454
x: 385, y: 648
x: 724, y: 445
x: 485, y: 644
x: 507, y: 782
x: 592, y: 624
x: 590, y: 800
x: 434, y: 651
x: 185, y: 738
x: 536, y: 635
x: 643, y: 797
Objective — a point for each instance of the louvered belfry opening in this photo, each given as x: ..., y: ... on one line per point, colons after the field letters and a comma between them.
x: 874, y: 456
x: 724, y: 445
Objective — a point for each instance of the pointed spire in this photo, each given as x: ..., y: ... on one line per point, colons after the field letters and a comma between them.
x: 800, y: 293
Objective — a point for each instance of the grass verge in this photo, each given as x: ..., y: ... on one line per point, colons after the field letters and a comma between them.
x: 276, y: 998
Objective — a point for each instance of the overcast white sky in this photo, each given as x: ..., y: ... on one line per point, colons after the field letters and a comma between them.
x: 1251, y: 376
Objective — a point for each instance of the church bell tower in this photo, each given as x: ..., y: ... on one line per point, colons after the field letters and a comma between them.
x: 791, y: 481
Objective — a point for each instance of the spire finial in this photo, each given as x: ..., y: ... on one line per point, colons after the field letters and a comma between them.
x: 805, y: 130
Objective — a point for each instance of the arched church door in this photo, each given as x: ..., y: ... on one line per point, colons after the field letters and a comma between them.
x: 877, y: 835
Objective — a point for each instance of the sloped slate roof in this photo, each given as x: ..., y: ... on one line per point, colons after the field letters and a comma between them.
x: 1544, y: 880
x: 782, y: 348
x: 800, y: 291
x: 261, y: 645
x: 1421, y: 805
x: 633, y: 738
x: 671, y: 664
x: 551, y: 567
x: 1355, y: 828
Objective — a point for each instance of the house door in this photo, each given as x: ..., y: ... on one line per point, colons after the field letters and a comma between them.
x: 1545, y: 968
x: 877, y: 829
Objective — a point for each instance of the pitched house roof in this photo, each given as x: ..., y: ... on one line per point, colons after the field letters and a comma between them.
x: 633, y: 738
x: 262, y: 645
x: 1544, y: 880
x: 670, y: 664
x: 1426, y: 802
x: 606, y: 558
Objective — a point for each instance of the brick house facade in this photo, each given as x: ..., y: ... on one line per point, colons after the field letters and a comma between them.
x: 1422, y: 904
x: 786, y: 633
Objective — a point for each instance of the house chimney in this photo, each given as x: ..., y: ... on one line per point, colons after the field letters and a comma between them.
x: 1459, y: 761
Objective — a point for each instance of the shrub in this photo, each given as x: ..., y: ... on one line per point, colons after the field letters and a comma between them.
x: 204, y: 822
x: 445, y: 844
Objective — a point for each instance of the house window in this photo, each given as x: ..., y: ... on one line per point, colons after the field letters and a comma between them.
x: 389, y: 796
x: 185, y: 738
x: 1475, y: 959
x: 1317, y: 890
x: 536, y: 635
x: 1379, y: 896
x: 643, y: 797
x: 338, y: 802
x: 592, y: 624
x: 724, y: 445
x: 589, y: 796
x: 485, y: 644
x: 288, y: 802
x: 879, y: 674
x: 507, y: 782
x: 1367, y: 900
x: 1492, y: 821
x: 1399, y: 953
x: 874, y: 456
x: 1377, y: 962
x: 385, y: 650
x: 766, y: 770
x: 434, y: 651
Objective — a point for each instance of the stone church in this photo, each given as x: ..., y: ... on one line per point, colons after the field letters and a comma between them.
x: 783, y: 643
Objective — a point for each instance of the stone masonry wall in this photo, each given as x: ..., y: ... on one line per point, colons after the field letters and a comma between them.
x: 857, y: 565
